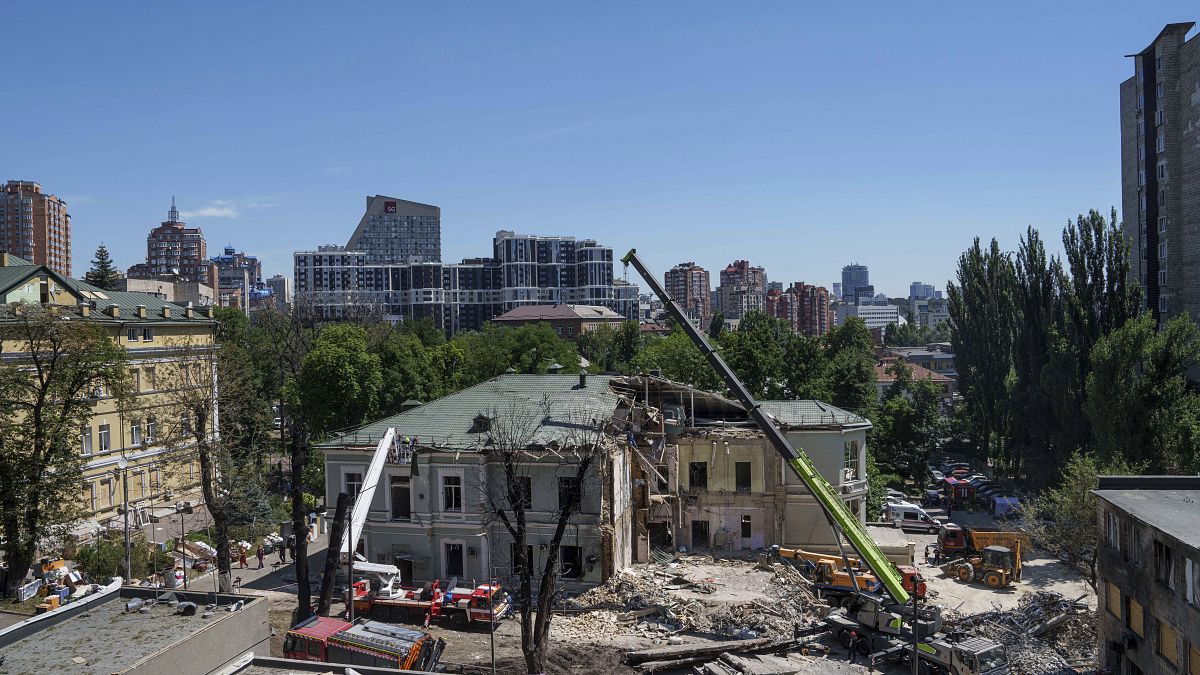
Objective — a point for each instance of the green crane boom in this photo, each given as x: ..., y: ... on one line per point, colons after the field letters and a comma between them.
x: 826, y: 495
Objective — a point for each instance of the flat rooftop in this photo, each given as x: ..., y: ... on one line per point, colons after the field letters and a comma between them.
x: 1170, y: 509
x: 102, y: 637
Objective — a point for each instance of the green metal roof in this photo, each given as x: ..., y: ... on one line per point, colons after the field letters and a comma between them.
x: 556, y: 401
x: 128, y: 302
x: 15, y: 261
x: 12, y: 275
x: 811, y: 414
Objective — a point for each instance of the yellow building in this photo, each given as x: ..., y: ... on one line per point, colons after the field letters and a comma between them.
x: 152, y: 331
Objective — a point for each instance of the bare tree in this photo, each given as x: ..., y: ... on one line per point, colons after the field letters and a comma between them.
x: 289, y: 337
x: 55, y: 370
x: 517, y: 440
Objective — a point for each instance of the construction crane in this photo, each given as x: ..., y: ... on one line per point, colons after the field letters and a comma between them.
x: 839, y: 516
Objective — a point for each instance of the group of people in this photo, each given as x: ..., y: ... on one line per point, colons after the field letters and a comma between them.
x: 261, y: 553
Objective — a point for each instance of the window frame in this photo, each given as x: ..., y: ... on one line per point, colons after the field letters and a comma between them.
x: 571, y: 487
x: 347, y: 482
x: 104, y: 438
x: 459, y: 485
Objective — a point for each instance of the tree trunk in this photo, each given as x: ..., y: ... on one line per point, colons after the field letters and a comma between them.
x: 19, y: 552
x: 216, y: 508
x: 300, y: 524
x: 331, y: 553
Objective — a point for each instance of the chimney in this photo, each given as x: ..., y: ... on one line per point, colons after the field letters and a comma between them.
x: 188, y: 311
x: 85, y: 309
x: 3, y: 258
x: 141, y: 311
x: 208, y: 311
x: 583, y: 379
x: 114, y: 310
x: 166, y: 312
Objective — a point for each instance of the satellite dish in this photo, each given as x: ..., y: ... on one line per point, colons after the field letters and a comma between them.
x: 122, y: 463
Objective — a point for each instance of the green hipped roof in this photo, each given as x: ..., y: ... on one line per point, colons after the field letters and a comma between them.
x: 811, y: 414
x: 17, y: 261
x: 128, y: 301
x: 556, y: 401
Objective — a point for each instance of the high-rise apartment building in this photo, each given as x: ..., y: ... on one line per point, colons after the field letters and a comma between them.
x: 1160, y: 171
x: 394, y: 231
x: 525, y: 269
x: 742, y: 289
x: 690, y: 286
x: 175, y: 250
x: 281, y: 290
x: 239, y: 278
x: 35, y: 226
x: 805, y: 308
x: 854, y: 276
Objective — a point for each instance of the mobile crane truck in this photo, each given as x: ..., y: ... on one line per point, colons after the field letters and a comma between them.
x: 878, y: 618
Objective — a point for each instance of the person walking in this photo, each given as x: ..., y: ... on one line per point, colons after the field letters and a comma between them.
x: 261, y: 554
x: 291, y: 544
x: 241, y: 557
x: 282, y: 553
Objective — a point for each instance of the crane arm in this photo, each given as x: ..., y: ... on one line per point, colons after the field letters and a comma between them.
x: 829, y: 499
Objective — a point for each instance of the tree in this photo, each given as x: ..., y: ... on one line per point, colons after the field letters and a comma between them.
x: 407, y: 368
x: 1037, y: 300
x: 1098, y: 297
x: 717, y: 325
x: 1141, y: 405
x: 283, y: 340
x: 514, y: 442
x: 1063, y: 518
x: 755, y: 352
x: 530, y: 349
x: 982, y: 314
x: 909, y: 423
x: 103, y: 275
x: 46, y: 397
x: 339, y: 380
x: 850, y: 373
x: 678, y: 359
x: 804, y: 367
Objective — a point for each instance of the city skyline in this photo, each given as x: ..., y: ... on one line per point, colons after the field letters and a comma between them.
x: 719, y: 135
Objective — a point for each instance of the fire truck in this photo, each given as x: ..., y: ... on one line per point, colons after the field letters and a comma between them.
x: 384, y: 598
x: 369, y: 643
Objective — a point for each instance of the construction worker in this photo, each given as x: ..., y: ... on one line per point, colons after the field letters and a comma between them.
x: 853, y: 646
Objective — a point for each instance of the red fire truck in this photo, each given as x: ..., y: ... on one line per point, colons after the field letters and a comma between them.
x: 384, y: 598
x: 369, y: 643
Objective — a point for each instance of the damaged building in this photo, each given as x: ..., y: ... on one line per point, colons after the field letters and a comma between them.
x: 707, y: 478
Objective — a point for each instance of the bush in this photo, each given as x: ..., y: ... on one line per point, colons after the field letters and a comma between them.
x: 105, y: 559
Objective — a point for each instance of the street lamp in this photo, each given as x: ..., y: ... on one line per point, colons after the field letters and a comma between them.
x: 182, y: 508
x: 122, y: 465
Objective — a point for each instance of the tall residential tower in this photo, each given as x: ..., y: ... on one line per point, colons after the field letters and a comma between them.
x: 175, y: 250
x: 35, y: 226
x: 1160, y: 171
x: 395, y: 231
x: 691, y: 287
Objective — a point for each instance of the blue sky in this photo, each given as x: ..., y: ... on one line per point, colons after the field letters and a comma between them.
x: 799, y: 136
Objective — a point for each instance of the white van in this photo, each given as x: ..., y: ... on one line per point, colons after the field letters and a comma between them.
x: 908, y: 516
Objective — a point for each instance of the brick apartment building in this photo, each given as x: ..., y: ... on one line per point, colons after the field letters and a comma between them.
x: 1148, y: 574
x: 805, y: 307
x: 173, y: 249
x: 35, y: 226
x: 691, y: 287
x: 743, y: 289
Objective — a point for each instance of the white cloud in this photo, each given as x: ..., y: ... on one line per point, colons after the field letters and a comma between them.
x: 216, y: 209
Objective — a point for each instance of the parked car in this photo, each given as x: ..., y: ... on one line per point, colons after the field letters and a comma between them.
x: 278, y: 422
x: 908, y: 516
x: 937, y: 475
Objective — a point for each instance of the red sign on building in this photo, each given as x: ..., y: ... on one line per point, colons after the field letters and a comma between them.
x: 389, y: 207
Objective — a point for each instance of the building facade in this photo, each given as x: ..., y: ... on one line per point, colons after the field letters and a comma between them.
x: 1160, y: 171
x: 922, y: 291
x: 165, y: 288
x: 805, y: 307
x: 433, y: 514
x: 395, y: 231
x: 874, y: 313
x: 1148, y: 574
x: 175, y: 250
x: 568, y: 321
x: 281, y: 290
x: 854, y: 276
x: 35, y: 226
x: 338, y: 282
x: 743, y: 289
x: 239, y: 278
x: 154, y: 333
x: 691, y: 287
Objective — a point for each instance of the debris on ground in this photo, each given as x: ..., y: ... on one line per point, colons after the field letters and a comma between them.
x: 1045, y: 633
x: 663, y: 600
x: 761, y: 655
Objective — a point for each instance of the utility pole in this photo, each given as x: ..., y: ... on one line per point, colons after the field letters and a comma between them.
x: 350, y: 563
x: 916, y: 654
x: 122, y: 465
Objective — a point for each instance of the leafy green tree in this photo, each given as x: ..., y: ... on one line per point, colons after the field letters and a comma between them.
x: 804, y: 368
x: 679, y: 360
x: 755, y: 352
x: 909, y: 423
x: 407, y: 367
x: 1038, y: 303
x: 626, y: 345
x: 1098, y: 297
x: 850, y: 373
x: 982, y: 314
x: 340, y: 380
x: 104, y: 274
x: 52, y: 367
x: 717, y: 325
x: 1141, y: 405
x: 424, y: 330
x: 598, y: 347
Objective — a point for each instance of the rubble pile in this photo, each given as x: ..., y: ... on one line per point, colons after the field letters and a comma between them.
x: 1045, y: 633
x: 645, y: 603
